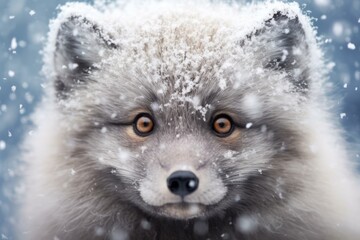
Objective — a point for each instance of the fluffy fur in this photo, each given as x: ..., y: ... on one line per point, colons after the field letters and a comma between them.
x: 282, y: 174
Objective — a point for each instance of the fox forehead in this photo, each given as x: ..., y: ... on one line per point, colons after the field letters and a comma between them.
x: 169, y: 60
x: 175, y: 72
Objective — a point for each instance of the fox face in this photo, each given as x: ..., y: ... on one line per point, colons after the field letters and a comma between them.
x: 184, y: 120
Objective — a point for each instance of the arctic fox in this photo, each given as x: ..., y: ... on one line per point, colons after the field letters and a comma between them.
x: 186, y: 121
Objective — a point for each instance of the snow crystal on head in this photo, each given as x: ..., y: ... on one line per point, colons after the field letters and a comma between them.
x: 66, y: 11
x: 180, y: 51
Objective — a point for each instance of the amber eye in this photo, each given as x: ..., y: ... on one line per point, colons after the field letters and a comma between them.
x: 222, y: 125
x: 143, y: 124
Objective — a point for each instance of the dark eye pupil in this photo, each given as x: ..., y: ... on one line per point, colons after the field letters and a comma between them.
x: 222, y: 124
x: 146, y: 122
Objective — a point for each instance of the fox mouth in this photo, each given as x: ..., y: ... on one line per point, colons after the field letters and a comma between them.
x: 182, y: 210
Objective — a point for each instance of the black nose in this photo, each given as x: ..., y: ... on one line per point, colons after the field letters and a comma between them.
x: 182, y: 183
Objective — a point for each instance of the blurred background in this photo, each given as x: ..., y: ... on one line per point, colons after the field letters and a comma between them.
x: 23, y: 30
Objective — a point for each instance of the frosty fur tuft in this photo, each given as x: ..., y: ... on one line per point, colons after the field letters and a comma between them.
x: 283, y: 175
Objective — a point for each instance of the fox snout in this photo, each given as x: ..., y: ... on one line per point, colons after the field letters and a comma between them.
x: 182, y: 183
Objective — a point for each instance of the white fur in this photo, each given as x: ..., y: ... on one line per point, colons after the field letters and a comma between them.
x: 212, y: 50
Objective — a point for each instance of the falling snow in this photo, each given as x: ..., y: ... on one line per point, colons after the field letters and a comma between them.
x: 24, y: 31
x: 351, y: 46
x: 322, y: 3
x: 11, y: 73
x: 192, y: 183
x: 2, y: 145
x: 13, y: 43
x: 246, y: 224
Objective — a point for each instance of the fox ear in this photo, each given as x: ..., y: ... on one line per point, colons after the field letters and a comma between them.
x: 80, y: 45
x: 283, y: 46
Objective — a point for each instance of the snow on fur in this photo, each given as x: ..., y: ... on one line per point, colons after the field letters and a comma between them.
x: 277, y: 176
x: 170, y: 25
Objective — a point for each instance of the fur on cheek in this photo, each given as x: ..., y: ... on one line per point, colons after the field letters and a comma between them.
x: 232, y: 139
x: 258, y: 61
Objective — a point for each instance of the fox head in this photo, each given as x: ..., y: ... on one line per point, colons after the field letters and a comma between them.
x: 185, y: 114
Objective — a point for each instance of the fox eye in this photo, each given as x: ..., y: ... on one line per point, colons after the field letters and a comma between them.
x: 143, y: 124
x: 222, y: 125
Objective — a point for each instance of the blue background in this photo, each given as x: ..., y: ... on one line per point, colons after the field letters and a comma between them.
x: 338, y: 20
